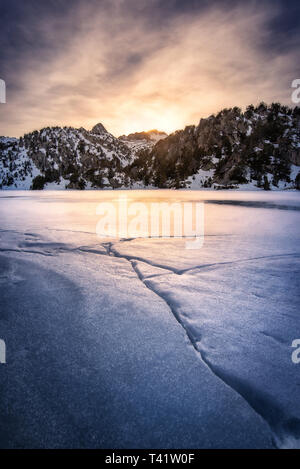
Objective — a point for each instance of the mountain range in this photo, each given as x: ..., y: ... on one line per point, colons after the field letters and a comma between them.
x: 255, y: 149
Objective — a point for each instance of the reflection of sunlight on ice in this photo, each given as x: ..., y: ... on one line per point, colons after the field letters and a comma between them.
x: 77, y: 210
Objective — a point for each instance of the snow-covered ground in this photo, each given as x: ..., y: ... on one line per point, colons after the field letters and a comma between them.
x: 136, y: 343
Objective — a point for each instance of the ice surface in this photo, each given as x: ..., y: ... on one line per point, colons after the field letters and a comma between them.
x: 142, y: 343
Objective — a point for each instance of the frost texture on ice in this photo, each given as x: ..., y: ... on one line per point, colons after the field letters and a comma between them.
x: 142, y: 343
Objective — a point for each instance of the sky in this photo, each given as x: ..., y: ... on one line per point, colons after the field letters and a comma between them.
x: 137, y: 65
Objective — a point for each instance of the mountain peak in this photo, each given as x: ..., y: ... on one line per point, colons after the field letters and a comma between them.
x: 99, y: 129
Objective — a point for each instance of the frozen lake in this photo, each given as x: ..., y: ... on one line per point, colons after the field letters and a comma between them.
x: 139, y: 342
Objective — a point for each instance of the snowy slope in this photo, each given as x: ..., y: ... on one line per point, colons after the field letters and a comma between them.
x: 66, y: 157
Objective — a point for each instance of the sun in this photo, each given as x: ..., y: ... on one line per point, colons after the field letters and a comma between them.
x: 164, y: 121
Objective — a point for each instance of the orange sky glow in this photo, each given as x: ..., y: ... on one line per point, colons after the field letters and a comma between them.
x: 119, y: 71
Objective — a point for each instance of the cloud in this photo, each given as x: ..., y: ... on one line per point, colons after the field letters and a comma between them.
x: 118, y: 64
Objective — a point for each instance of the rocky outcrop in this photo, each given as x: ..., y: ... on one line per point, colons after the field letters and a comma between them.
x: 234, y: 148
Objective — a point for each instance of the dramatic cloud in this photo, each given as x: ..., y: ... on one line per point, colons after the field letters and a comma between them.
x: 124, y: 65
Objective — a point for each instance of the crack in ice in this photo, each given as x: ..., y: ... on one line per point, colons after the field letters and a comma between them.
x: 284, y: 428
